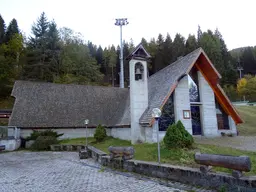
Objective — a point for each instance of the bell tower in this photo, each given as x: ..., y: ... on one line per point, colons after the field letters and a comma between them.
x: 138, y: 90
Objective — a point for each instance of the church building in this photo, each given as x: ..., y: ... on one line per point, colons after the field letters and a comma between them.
x: 187, y: 90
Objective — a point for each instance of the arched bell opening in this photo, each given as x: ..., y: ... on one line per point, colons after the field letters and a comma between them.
x: 139, y: 71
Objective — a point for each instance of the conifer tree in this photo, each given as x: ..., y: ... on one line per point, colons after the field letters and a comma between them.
x: 2, y: 30
x: 179, y: 46
x: 191, y: 44
x: 11, y: 30
x: 38, y: 63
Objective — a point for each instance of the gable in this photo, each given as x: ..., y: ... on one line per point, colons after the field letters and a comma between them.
x: 139, y: 52
x: 163, y: 83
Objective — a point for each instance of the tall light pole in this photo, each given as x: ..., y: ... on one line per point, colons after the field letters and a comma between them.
x: 120, y: 22
x: 239, y: 68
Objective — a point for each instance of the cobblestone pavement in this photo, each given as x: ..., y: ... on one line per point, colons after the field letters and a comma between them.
x: 64, y: 172
x: 247, y: 143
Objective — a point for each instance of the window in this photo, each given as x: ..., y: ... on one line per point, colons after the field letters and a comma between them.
x: 167, y: 117
x: 186, y: 114
x: 193, y: 86
x: 222, y: 117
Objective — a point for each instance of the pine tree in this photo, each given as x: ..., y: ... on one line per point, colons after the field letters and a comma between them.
x: 131, y: 45
x: 38, y: 63
x: 11, y: 30
x: 99, y: 59
x: 191, y: 44
x: 126, y: 52
x: 2, y: 30
x: 199, y: 33
x: 92, y: 48
x: 53, y: 48
x: 168, y: 51
x: 178, y: 46
x: 144, y: 42
x: 159, y: 56
x: 229, y: 65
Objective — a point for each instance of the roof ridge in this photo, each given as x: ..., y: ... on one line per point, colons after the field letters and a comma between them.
x: 71, y: 84
x: 183, y: 57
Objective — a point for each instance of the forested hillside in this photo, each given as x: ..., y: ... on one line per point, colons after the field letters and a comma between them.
x: 61, y: 55
x: 246, y: 57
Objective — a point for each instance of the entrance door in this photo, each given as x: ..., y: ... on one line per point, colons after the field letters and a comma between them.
x: 196, y: 122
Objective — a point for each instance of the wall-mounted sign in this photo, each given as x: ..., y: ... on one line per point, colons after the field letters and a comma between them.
x: 186, y: 114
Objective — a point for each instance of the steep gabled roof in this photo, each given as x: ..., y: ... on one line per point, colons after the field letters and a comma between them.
x: 41, y: 105
x: 139, y: 52
x: 163, y: 83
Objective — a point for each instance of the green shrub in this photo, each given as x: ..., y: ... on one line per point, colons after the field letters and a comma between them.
x: 35, y: 134
x: 187, y: 139
x: 100, y: 133
x: 172, y: 137
x: 177, y: 137
x: 43, y: 143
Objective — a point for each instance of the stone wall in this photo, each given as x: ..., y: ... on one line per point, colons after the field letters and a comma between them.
x: 186, y: 175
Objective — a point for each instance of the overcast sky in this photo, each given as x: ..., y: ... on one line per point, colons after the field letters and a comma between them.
x: 95, y: 19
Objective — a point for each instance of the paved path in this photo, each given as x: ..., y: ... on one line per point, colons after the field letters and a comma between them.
x: 238, y: 142
x: 64, y: 172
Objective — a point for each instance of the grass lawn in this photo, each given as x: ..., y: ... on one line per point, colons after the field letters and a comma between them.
x: 248, y: 114
x: 184, y: 157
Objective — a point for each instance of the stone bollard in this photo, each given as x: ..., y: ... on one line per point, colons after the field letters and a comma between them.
x: 83, y: 154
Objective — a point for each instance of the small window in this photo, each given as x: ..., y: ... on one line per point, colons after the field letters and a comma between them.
x: 186, y: 114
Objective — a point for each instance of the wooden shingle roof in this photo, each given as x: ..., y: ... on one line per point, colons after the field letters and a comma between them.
x: 41, y: 105
x: 162, y: 83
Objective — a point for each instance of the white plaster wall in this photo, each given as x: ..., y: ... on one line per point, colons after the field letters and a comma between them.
x: 68, y: 133
x: 182, y: 102
x: 208, y: 108
x: 149, y: 134
x: 138, y: 100
x: 11, y: 145
x: 121, y: 133
x: 14, y: 131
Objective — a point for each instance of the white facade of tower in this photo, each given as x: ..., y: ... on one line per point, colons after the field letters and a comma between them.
x: 138, y: 97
